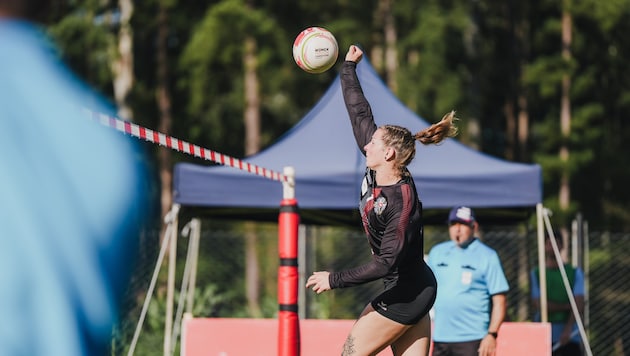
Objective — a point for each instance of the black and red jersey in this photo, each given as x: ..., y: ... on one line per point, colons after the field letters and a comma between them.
x: 391, y: 215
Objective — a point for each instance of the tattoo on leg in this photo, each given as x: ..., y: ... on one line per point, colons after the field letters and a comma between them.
x: 348, y: 347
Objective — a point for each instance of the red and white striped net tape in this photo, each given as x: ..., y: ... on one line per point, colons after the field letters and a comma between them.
x: 185, y: 147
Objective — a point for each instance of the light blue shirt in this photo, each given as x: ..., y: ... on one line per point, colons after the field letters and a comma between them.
x: 72, y: 193
x: 467, y: 279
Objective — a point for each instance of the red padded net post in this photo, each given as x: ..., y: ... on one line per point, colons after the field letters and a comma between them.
x: 288, y: 319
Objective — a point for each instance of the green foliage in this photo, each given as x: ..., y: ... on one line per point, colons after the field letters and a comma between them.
x: 86, y: 43
x: 207, y: 298
x: 337, y: 249
x: 607, y: 14
x: 212, y: 68
x: 546, y: 74
x: 475, y: 57
x: 431, y: 76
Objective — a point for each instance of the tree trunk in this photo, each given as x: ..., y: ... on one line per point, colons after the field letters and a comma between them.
x: 163, y: 98
x: 252, y: 98
x: 565, y: 110
x: 384, y: 55
x: 523, y: 127
x: 510, y: 128
x: 565, y: 119
x: 522, y: 116
x: 391, y: 55
x: 521, y: 40
x: 122, y: 66
x: 252, y: 145
x: 471, y: 45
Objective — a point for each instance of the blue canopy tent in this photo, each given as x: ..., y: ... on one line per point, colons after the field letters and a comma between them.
x: 329, y: 166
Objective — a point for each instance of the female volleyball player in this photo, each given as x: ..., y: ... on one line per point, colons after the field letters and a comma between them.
x: 392, y: 218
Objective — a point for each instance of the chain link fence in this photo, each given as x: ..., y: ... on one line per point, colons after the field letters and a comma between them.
x: 237, y: 277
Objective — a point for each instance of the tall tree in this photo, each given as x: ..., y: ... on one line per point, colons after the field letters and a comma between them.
x: 215, y: 81
x: 85, y: 37
x: 251, y: 118
x: 391, y: 43
x: 122, y: 65
x: 599, y: 105
x: 235, y: 29
x: 563, y: 82
x: 431, y: 48
x: 565, y: 112
x: 163, y: 99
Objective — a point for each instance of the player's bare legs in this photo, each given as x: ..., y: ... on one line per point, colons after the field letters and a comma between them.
x: 372, y: 333
x: 416, y: 340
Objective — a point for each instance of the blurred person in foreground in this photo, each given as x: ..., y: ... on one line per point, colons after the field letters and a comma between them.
x: 565, y: 338
x: 71, y: 191
x: 471, y: 299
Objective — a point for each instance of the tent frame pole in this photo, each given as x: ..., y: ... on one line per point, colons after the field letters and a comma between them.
x: 542, y: 276
x: 170, y: 286
x: 168, y: 219
x: 567, y: 285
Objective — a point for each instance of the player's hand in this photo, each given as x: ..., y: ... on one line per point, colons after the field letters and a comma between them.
x: 354, y: 54
x: 319, y: 282
x: 488, y: 346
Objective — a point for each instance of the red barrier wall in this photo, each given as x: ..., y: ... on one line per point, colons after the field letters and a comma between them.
x: 258, y: 337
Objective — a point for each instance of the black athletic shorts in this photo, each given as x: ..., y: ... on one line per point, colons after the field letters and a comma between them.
x: 409, y: 300
x: 466, y: 348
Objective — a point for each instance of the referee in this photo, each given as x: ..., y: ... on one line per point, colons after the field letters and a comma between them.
x: 470, y: 304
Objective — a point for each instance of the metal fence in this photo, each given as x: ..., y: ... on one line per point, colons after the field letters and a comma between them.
x: 237, y: 275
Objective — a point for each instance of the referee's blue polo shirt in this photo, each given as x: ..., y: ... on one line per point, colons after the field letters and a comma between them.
x: 467, y: 279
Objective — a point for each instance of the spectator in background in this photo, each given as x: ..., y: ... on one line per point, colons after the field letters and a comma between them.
x: 72, y: 194
x: 471, y: 298
x: 565, y: 337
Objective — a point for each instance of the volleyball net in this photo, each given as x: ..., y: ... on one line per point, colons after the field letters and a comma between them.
x: 288, y: 331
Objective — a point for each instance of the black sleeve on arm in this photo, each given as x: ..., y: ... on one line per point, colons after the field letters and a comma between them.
x: 358, y: 275
x: 379, y: 266
x: 383, y: 263
x: 357, y: 105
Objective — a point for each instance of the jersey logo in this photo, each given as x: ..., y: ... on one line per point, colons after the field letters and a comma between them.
x: 364, y: 186
x: 379, y: 205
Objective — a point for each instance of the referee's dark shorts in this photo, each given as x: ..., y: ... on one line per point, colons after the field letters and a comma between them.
x: 466, y: 348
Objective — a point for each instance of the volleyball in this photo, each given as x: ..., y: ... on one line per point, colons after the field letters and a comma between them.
x: 315, y: 50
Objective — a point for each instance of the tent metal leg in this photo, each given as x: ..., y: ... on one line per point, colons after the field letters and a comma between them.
x: 170, y: 287
x: 195, y: 232
x: 542, y: 276
x: 156, y: 271
x: 187, y: 290
x: 567, y: 285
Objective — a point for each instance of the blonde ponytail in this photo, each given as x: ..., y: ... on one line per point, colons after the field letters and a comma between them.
x: 437, y: 132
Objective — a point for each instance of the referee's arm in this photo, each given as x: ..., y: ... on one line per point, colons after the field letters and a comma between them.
x: 497, y: 315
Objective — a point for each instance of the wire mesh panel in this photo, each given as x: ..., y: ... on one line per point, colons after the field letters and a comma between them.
x: 608, y: 299
x: 238, y: 264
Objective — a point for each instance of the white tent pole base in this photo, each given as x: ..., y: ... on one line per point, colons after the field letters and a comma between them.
x: 156, y: 271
